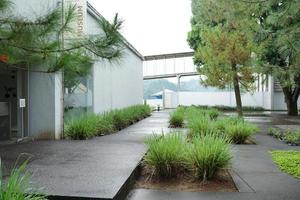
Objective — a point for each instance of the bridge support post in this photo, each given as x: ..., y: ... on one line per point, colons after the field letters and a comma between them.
x: 178, y: 82
x: 178, y: 89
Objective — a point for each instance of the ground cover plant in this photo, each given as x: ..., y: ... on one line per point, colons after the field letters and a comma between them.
x: 291, y: 137
x: 17, y: 186
x: 202, y: 157
x: 90, y: 125
x: 288, y: 161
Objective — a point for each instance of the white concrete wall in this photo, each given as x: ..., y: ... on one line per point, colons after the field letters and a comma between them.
x: 45, y: 90
x: 279, y: 103
x: 31, y: 9
x: 261, y: 99
x: 117, y: 84
x: 154, y: 102
x: 171, y: 99
x: 45, y: 105
x: 79, y: 100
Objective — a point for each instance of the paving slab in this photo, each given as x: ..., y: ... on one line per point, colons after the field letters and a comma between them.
x: 91, y: 169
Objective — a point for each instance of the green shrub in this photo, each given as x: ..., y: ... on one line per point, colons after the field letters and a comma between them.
x: 17, y: 186
x: 177, y: 118
x: 240, y: 132
x: 292, y: 137
x: 207, y: 154
x: 82, y: 128
x: 288, y: 161
x: 165, y: 154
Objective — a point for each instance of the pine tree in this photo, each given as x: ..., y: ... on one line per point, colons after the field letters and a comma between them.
x: 280, y: 30
x: 224, y: 45
x: 38, y: 45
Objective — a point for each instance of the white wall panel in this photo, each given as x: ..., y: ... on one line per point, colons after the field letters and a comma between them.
x: 261, y: 99
x: 117, y: 84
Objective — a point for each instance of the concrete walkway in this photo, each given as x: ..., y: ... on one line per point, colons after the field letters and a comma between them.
x: 94, y: 169
x: 98, y: 168
x: 253, y: 164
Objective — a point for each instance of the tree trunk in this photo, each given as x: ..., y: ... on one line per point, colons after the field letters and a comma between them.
x: 292, y: 108
x: 237, y: 92
x: 291, y: 99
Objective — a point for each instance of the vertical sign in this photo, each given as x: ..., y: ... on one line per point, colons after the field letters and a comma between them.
x: 79, y: 24
x: 22, y: 103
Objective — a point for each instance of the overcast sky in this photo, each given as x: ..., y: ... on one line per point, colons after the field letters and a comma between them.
x: 151, y: 26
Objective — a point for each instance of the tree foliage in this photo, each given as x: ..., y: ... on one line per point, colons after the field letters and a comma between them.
x: 223, y: 40
x: 280, y: 30
x: 40, y: 44
x: 221, y: 37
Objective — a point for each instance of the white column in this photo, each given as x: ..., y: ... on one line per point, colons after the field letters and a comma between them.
x: 59, y: 105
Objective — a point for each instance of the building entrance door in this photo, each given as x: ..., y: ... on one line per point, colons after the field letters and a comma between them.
x: 4, y: 120
x: 13, y: 118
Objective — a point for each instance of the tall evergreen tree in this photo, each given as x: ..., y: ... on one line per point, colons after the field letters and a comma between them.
x: 38, y: 44
x: 222, y: 38
x: 280, y: 30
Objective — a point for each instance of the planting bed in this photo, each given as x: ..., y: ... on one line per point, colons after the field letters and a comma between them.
x: 185, y: 182
x: 288, y: 136
x: 199, y: 160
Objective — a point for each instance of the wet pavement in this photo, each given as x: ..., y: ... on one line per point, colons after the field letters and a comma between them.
x: 252, y: 164
x: 98, y: 168
x: 95, y: 168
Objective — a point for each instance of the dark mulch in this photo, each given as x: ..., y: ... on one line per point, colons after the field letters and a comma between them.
x: 185, y: 182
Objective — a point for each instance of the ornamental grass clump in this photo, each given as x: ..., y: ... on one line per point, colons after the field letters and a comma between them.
x: 221, y: 124
x: 105, y: 124
x: 82, y: 128
x: 127, y: 116
x: 17, y: 186
x: 207, y: 154
x: 89, y: 125
x: 275, y: 132
x: 213, y: 113
x: 120, y: 119
x: 200, y: 125
x: 165, y: 154
x: 176, y: 119
x: 240, y: 131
